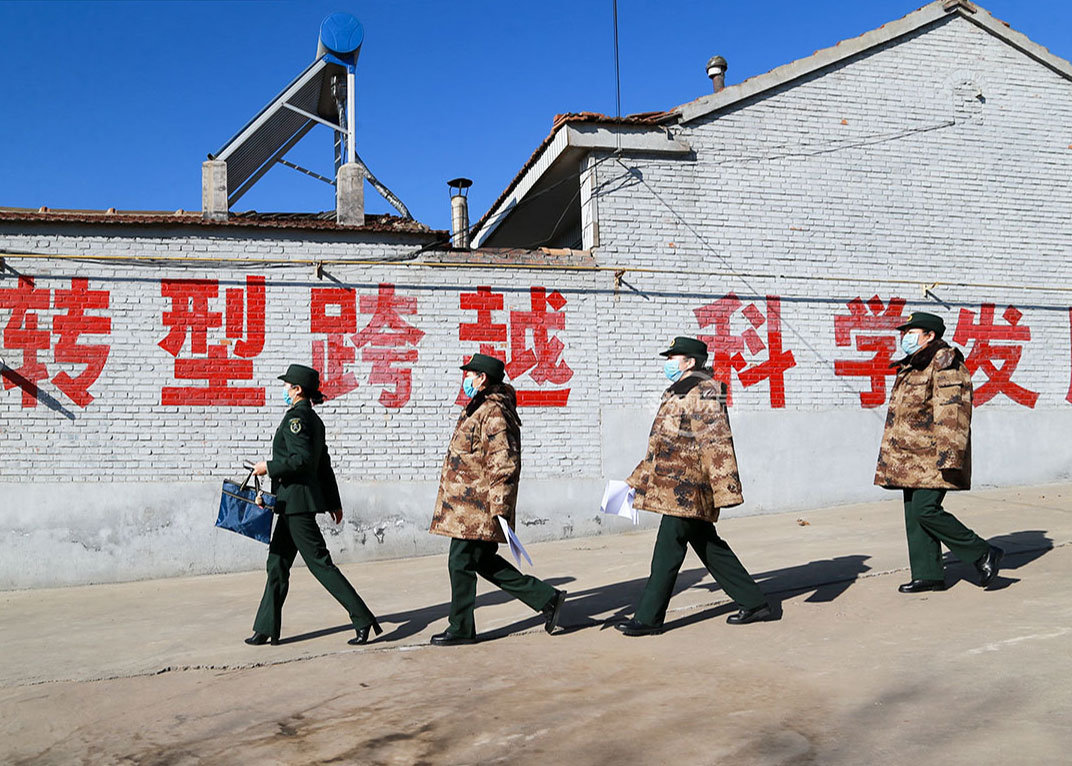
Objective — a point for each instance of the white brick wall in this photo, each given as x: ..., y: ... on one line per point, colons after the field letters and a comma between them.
x: 776, y: 188
x: 71, y: 474
x: 805, y: 189
x: 200, y: 441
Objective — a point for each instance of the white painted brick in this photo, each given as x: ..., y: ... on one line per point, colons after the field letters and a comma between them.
x: 775, y: 190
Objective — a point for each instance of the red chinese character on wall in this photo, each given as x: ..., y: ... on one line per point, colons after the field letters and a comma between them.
x: 984, y: 352
x: 727, y: 350
x: 191, y: 318
x: 534, y: 349
x: 72, y: 324
x: 333, y: 311
x: 542, y: 360
x: 383, y: 342
x: 22, y: 332
x: 875, y: 325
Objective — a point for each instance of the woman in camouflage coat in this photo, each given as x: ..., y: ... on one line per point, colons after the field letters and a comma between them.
x: 477, y: 486
x: 926, y: 451
x: 688, y: 474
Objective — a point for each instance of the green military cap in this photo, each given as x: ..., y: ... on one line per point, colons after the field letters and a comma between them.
x: 924, y: 321
x: 489, y: 365
x: 306, y: 377
x: 686, y: 347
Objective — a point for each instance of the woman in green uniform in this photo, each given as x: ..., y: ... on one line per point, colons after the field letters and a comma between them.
x: 304, y: 485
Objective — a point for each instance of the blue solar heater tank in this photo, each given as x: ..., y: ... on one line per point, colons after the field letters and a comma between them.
x: 342, y: 35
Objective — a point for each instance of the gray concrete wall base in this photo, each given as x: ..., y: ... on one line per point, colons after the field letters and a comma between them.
x: 66, y: 534
x: 791, y: 460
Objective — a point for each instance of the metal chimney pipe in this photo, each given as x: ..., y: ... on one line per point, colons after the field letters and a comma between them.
x: 459, y: 212
x: 716, y: 70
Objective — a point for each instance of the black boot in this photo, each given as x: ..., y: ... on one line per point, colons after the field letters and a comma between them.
x: 745, y: 616
x: 363, y: 633
x: 988, y: 565
x: 260, y: 639
x: 920, y: 586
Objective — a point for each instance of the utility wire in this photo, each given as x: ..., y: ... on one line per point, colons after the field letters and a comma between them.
x: 283, y: 263
x: 831, y: 147
x: 617, y: 70
x: 802, y: 150
x: 783, y: 151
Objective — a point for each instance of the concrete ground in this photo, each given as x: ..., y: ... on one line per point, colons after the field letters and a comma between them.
x: 852, y: 672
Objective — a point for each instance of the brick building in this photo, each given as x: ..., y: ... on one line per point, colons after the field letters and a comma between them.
x: 790, y: 219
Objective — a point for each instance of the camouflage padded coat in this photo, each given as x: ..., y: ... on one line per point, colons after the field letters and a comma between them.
x: 927, y: 440
x: 690, y: 468
x: 482, y: 468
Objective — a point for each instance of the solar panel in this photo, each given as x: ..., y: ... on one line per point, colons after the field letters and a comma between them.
x: 322, y: 94
x: 278, y: 126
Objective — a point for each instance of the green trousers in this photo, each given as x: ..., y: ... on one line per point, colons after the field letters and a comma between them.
x: 299, y: 533
x: 469, y: 558
x: 671, y: 544
x: 928, y: 525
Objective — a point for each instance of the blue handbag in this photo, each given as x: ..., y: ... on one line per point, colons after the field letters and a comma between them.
x: 246, y: 510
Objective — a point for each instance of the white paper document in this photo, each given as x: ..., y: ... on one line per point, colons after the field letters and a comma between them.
x: 618, y: 501
x: 516, y: 548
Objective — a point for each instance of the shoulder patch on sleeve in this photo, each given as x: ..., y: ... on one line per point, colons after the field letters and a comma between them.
x: 945, y: 358
x: 295, y: 425
x: 714, y: 390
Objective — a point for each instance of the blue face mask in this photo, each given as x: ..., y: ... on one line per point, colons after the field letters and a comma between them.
x: 468, y: 387
x: 910, y: 343
x: 671, y: 370
x: 286, y: 396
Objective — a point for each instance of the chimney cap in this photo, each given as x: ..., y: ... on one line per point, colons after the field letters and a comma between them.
x: 461, y: 184
x: 716, y: 62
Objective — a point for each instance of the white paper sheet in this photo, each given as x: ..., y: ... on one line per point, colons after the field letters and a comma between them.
x: 618, y: 501
x: 516, y: 548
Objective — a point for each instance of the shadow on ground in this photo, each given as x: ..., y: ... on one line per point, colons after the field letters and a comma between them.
x: 819, y: 581
x: 1021, y: 548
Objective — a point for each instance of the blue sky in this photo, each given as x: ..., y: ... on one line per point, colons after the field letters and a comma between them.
x: 116, y: 104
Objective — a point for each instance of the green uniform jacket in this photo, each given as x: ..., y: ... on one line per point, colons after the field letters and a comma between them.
x: 690, y: 468
x: 302, y: 479
x: 927, y: 440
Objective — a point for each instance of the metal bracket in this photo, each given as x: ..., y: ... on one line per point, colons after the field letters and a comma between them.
x: 307, y: 172
x: 312, y: 116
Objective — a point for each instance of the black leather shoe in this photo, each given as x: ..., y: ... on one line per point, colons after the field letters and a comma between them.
x: 920, y: 586
x: 446, y: 638
x: 745, y: 616
x: 634, y: 628
x: 988, y: 565
x: 260, y: 639
x: 552, y: 610
x: 363, y: 634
